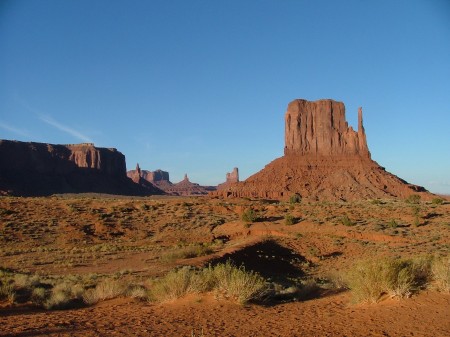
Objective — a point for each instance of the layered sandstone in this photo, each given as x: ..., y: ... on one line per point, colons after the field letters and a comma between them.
x: 42, y: 169
x: 324, y: 159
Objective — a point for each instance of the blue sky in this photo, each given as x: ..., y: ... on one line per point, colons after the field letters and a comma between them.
x: 200, y: 87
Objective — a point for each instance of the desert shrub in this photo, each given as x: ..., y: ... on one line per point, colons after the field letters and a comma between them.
x: 226, y: 280
x: 413, y: 199
x: 64, y: 295
x: 38, y: 295
x: 187, y: 252
x: 441, y: 273
x: 138, y: 292
x: 392, y: 224
x: 337, y: 279
x: 303, y: 290
x: 369, y: 280
x: 173, y: 285
x: 238, y: 284
x: 105, y: 290
x: 295, y: 199
x: 26, y: 281
x: 7, y: 291
x: 437, y: 201
x: 249, y: 215
x: 345, y: 220
x: 289, y: 220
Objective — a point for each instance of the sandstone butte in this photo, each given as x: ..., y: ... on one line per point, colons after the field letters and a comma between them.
x: 324, y: 159
x: 34, y: 169
x: 230, y: 178
x: 161, y: 180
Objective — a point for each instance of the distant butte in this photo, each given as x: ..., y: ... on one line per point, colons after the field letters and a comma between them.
x: 324, y: 159
x: 160, y: 179
x: 37, y: 169
x: 230, y: 178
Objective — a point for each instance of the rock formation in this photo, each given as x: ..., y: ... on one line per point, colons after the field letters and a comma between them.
x: 230, y: 178
x: 319, y: 128
x: 43, y: 169
x: 324, y: 159
x: 160, y: 179
x: 186, y: 187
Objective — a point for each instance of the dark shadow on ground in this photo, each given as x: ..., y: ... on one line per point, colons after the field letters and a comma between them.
x: 269, y: 259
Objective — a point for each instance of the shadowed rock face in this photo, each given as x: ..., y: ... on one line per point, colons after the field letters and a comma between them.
x: 42, y: 169
x: 324, y: 159
x: 154, y: 177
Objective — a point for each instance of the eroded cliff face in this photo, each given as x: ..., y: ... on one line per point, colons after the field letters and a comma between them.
x: 42, y: 169
x: 324, y: 159
x: 320, y: 128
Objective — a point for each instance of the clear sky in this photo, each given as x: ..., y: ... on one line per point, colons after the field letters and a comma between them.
x: 200, y: 87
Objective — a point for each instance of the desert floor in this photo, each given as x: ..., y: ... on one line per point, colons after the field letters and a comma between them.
x: 94, y: 237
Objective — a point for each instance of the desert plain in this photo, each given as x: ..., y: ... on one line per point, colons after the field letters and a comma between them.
x: 57, y: 252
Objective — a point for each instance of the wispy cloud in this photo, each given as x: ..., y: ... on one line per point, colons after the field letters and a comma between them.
x: 50, y: 121
x: 12, y: 129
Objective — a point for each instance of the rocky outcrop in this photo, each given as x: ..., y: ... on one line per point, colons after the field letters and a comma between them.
x: 324, y: 159
x: 320, y: 128
x: 231, y: 178
x: 186, y: 187
x: 160, y: 179
x: 43, y: 169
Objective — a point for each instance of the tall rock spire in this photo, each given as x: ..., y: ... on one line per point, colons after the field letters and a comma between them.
x: 364, y: 149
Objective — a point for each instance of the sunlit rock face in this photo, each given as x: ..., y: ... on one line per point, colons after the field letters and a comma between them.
x: 324, y: 159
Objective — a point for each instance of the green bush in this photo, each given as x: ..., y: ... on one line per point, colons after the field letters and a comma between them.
x: 437, y: 201
x: 392, y: 224
x: 345, y: 220
x: 289, y: 220
x: 413, y: 199
x: 295, y: 199
x: 249, y: 215
x: 187, y: 252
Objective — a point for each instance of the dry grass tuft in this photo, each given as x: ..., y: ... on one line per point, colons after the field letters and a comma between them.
x: 441, y: 273
x: 105, y: 290
x: 369, y: 280
x: 226, y: 280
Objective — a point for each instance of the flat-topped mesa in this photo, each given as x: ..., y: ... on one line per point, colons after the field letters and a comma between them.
x: 35, y: 169
x: 319, y: 128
